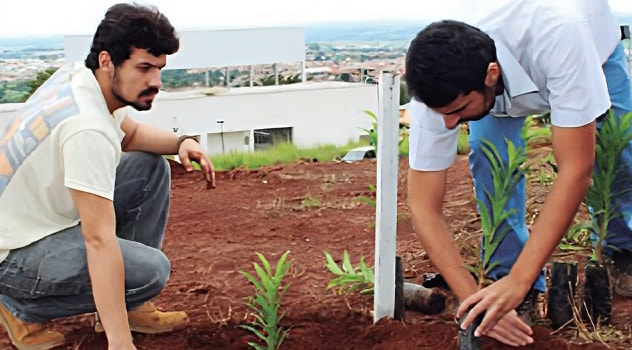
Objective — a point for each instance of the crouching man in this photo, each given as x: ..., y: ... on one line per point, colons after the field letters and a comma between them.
x: 84, y: 191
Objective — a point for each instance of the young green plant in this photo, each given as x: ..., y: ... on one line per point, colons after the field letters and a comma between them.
x: 602, y: 196
x: 505, y: 178
x: 349, y: 278
x: 266, y: 303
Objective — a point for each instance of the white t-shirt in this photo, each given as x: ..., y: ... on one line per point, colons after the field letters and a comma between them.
x: 550, y: 54
x: 63, y: 137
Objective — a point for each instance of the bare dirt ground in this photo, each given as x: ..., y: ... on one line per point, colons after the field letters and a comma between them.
x: 309, y: 208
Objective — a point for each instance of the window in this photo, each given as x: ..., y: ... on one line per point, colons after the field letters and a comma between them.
x: 266, y: 138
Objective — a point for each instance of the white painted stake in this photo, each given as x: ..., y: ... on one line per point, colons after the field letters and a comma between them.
x: 386, y: 202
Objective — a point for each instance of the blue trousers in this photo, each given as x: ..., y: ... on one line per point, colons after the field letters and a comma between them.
x: 495, y: 130
x: 49, y: 278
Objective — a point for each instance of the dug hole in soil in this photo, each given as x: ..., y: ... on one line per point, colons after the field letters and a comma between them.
x: 213, y: 234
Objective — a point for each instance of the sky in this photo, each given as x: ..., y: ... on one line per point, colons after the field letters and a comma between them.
x: 21, y: 18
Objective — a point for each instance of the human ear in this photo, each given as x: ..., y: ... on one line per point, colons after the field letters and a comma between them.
x: 105, y: 62
x: 493, y: 74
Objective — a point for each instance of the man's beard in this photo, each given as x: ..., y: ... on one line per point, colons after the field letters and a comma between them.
x: 479, y: 116
x: 138, y: 106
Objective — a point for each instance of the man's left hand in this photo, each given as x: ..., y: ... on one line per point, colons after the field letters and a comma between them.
x: 495, y: 300
x: 191, y: 150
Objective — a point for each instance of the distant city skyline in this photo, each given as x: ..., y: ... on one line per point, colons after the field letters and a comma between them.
x: 24, y: 18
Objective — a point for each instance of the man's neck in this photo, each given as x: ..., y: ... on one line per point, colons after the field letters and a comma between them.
x: 105, y: 83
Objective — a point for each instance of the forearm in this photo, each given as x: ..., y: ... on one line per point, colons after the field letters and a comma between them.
x: 426, y: 192
x: 439, y: 245
x: 107, y: 275
x: 148, y: 138
x: 554, y: 220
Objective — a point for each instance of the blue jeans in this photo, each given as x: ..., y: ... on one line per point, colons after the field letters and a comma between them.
x: 49, y: 278
x: 497, y: 129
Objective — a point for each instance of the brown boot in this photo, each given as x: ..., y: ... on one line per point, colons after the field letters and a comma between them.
x: 149, y: 320
x: 29, y: 336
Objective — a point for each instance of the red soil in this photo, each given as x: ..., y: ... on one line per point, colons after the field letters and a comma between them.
x: 213, y: 234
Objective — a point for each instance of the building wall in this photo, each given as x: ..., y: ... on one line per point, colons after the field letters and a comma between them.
x: 319, y: 114
x: 233, y: 142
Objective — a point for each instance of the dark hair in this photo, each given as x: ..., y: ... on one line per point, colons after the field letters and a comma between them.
x: 445, y: 59
x: 131, y: 25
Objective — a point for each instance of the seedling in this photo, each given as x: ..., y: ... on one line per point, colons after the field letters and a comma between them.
x: 610, y: 183
x: 368, y: 200
x: 373, y: 131
x: 266, y: 303
x: 349, y: 278
x: 505, y: 179
x: 612, y: 139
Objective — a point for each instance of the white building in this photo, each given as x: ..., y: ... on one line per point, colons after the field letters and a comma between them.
x: 250, y: 118
x: 246, y: 119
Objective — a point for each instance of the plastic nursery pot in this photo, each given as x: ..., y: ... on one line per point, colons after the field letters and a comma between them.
x: 429, y: 301
x: 561, y: 292
x: 467, y: 340
x: 596, y: 295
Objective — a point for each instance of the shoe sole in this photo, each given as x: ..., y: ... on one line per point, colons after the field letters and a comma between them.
x: 19, y: 346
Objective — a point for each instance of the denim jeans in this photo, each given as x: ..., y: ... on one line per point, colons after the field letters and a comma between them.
x: 49, y: 278
x: 496, y: 130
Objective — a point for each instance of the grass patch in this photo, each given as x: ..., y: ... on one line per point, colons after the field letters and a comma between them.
x: 403, y: 146
x: 286, y: 153
x: 283, y: 153
x: 311, y: 202
x: 538, y: 135
x: 462, y: 144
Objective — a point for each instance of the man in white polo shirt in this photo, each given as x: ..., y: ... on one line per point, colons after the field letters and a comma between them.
x: 528, y: 57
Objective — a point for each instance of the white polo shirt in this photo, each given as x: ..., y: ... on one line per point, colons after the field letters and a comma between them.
x: 551, y: 55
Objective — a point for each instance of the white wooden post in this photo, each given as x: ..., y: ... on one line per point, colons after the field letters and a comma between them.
x: 386, y: 202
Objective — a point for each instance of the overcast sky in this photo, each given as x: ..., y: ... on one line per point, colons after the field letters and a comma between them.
x: 19, y: 18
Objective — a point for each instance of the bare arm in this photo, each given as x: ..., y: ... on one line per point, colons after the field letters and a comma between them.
x: 426, y: 191
x: 574, y: 150
x: 105, y: 266
x: 145, y: 137
x: 148, y: 138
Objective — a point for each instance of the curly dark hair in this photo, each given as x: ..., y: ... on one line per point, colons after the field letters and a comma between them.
x: 127, y: 26
x: 448, y: 58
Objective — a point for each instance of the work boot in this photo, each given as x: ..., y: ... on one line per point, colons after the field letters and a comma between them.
x: 621, y: 272
x: 29, y: 336
x: 149, y: 320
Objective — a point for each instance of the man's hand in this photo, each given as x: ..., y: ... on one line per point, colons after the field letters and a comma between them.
x: 511, y: 330
x: 191, y: 150
x: 498, y: 301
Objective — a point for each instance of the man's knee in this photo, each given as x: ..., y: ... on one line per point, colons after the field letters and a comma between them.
x: 157, y: 163
x: 148, y: 270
